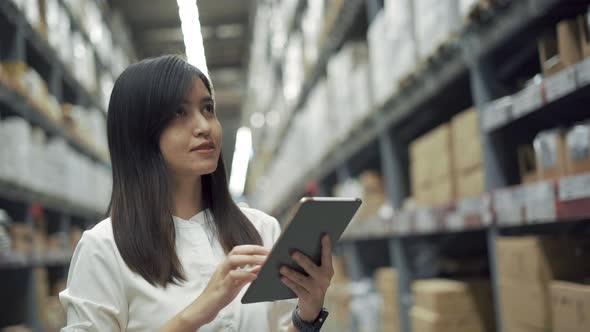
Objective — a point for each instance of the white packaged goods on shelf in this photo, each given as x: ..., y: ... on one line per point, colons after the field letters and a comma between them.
x: 540, y: 202
x: 91, y: 126
x: 16, y: 140
x: 509, y: 205
x: 527, y: 100
x: 51, y: 167
x: 380, y: 54
x: 318, y: 117
x: 361, y: 102
x: 340, y: 92
x: 32, y: 11
x: 560, y: 84
x: 576, y: 187
x: 293, y: 70
x: 401, y: 34
x: 311, y: 25
x: 497, y: 113
x: 106, y: 87
x: 59, y: 30
x: 435, y: 23
x: 583, y: 72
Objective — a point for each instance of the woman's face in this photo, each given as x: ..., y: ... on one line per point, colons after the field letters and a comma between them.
x: 191, y: 144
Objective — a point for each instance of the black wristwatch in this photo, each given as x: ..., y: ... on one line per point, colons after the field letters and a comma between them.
x: 304, y: 326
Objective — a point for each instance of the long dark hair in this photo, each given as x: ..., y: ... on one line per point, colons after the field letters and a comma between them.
x: 142, y: 104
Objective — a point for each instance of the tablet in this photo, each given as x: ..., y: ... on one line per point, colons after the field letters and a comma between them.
x: 312, y: 218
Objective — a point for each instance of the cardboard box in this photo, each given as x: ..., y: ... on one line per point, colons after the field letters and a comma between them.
x: 424, y: 320
x: 584, y: 26
x: 466, y: 140
x: 570, y: 305
x: 539, y: 259
x: 550, y: 157
x: 515, y: 327
x: 560, y: 47
x: 431, y: 156
x: 525, y: 303
x: 578, y: 149
x: 450, y: 297
x: 443, y: 191
x: 471, y: 183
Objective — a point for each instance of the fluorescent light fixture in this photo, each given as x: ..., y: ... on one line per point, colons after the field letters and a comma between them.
x: 239, y: 167
x: 193, y: 37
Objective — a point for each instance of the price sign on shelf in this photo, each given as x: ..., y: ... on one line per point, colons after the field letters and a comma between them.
x: 574, y: 187
x: 509, y: 206
x: 583, y: 72
x: 527, y: 100
x: 540, y: 203
x: 425, y: 221
x: 561, y: 84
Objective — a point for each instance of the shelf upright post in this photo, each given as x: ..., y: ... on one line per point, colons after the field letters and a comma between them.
x: 484, y: 87
x: 32, y: 298
x: 64, y: 228
x: 349, y: 248
x: 404, y: 284
x: 17, y: 49
x: 55, y: 83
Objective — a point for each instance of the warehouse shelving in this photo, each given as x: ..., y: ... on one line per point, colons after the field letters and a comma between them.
x: 21, y: 42
x: 428, y: 83
x: 467, y: 69
x: 14, y: 261
x: 14, y: 103
x: 25, y: 35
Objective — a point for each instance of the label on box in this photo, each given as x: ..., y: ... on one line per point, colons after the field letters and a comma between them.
x: 496, y: 114
x: 425, y: 221
x: 527, y: 100
x: 402, y: 223
x: 574, y: 187
x: 509, y: 206
x: 560, y: 84
x: 540, y: 205
x: 583, y: 72
x: 455, y: 222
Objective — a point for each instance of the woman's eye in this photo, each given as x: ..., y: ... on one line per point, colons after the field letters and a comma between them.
x: 209, y: 109
x: 180, y: 112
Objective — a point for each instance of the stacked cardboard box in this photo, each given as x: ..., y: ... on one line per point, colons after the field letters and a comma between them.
x: 467, y: 159
x: 432, y: 167
x: 442, y: 305
x: 338, y: 298
x: 387, y: 285
x: 526, y: 266
x: 560, y: 47
x: 570, y: 306
x: 373, y: 195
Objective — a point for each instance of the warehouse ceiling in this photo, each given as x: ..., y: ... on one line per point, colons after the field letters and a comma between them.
x: 155, y: 26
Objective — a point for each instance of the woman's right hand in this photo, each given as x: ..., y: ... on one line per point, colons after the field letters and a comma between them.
x: 226, y: 282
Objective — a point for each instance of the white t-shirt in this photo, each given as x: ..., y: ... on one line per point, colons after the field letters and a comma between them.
x: 103, y: 294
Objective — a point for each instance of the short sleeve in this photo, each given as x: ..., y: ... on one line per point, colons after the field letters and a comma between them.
x: 94, y: 299
x: 281, y: 311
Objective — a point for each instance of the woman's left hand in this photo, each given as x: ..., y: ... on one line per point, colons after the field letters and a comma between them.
x: 311, y: 290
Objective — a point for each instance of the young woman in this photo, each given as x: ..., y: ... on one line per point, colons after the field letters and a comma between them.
x: 170, y: 256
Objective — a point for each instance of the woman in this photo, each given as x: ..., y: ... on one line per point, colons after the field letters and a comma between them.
x: 171, y: 255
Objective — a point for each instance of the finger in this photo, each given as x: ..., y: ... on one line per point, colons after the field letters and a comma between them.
x: 298, y: 290
x: 327, y: 253
x: 298, y: 278
x: 307, y: 264
x: 249, y: 249
x: 236, y: 277
x: 234, y: 261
